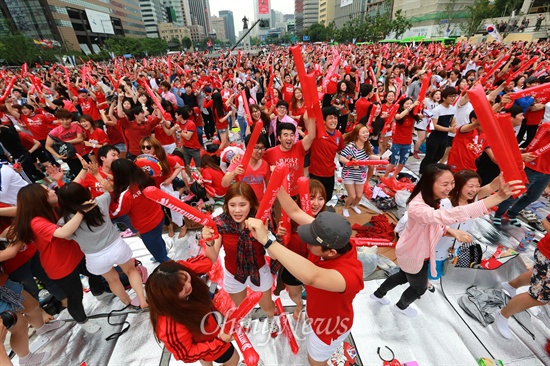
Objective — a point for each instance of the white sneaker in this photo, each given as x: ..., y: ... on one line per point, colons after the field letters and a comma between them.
x: 382, y: 300
x: 408, y: 311
x: 48, y: 327
x: 273, y: 327
x: 502, y: 325
x: 246, y: 323
x: 345, y: 212
x: 90, y: 327
x: 356, y: 209
x: 34, y: 359
x: 509, y: 289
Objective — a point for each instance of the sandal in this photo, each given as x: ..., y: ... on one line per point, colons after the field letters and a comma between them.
x: 528, y: 216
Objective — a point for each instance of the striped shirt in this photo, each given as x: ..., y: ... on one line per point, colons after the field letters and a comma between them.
x: 358, y: 174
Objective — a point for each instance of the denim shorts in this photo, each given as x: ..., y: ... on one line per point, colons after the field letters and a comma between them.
x: 400, y: 153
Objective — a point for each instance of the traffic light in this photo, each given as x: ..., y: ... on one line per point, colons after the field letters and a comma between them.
x: 264, y: 24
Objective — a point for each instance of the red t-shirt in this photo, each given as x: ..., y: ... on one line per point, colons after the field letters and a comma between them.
x: 172, y: 162
x: 230, y: 242
x: 323, y: 151
x: 135, y: 132
x: 330, y: 322
x: 361, y: 107
x: 403, y: 131
x: 256, y: 179
x: 467, y: 147
x: 542, y: 163
x: 59, y: 257
x: 98, y: 136
x: 144, y: 213
x: 533, y: 118
x: 67, y: 134
x: 544, y: 245
x: 213, y: 178
x: 115, y: 134
x: 101, y: 101
x: 39, y: 124
x: 288, y: 92
x: 193, y: 142
x: 332, y: 85
x: 161, y: 135
x: 25, y: 253
x: 294, y: 158
x: 89, y: 107
x: 92, y: 184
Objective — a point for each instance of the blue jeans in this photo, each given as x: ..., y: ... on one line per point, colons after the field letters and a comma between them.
x: 155, y: 243
x: 537, y: 183
x: 125, y: 220
x: 199, y: 134
x: 242, y: 126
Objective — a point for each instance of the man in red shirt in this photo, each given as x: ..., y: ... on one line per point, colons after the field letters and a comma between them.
x: 324, y: 150
x: 87, y: 105
x: 68, y: 132
x: 288, y: 89
x: 468, y: 145
x: 362, y: 105
x: 189, y: 138
x: 331, y: 273
x: 37, y: 122
x: 290, y: 152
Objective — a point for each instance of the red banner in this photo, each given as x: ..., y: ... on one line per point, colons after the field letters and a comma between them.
x: 263, y: 6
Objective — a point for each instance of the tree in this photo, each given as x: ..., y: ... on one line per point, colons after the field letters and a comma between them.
x: 18, y: 49
x: 477, y: 13
x: 400, y: 24
x: 186, y: 42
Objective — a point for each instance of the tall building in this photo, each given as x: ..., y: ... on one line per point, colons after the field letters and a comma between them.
x: 227, y: 15
x: 198, y: 34
x: 218, y: 24
x: 344, y: 10
x: 169, y: 31
x: 78, y: 25
x: 153, y: 13
x: 311, y: 12
x: 276, y: 19
x: 262, y: 10
x: 299, y: 15
x: 326, y: 11
x: 178, y: 12
x: 200, y: 14
x: 376, y: 7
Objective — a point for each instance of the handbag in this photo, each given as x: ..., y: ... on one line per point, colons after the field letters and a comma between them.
x: 63, y: 148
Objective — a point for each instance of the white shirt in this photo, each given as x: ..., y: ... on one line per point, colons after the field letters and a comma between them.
x: 11, y: 183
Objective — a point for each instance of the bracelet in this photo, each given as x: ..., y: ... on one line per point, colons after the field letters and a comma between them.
x: 85, y: 169
x: 209, y: 245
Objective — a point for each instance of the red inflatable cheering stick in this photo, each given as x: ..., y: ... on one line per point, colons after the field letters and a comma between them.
x: 163, y: 198
x: 305, y: 199
x: 8, y: 89
x: 500, y: 136
x: 244, y: 308
x: 285, y: 325
x: 251, y: 144
x: 246, y: 108
x: 423, y: 89
x: 367, y: 162
x: 251, y: 357
x: 277, y: 177
x: 540, y: 92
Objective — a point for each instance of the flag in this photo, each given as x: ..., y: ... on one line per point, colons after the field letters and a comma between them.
x: 493, y: 32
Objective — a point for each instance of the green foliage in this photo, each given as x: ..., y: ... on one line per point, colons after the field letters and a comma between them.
x: 477, y: 13
x: 136, y: 46
x: 18, y: 49
x: 400, y: 24
x: 186, y: 42
x: 506, y: 7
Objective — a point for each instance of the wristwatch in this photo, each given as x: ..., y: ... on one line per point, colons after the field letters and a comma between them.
x: 270, y: 239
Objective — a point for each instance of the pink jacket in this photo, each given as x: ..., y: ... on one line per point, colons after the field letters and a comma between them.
x: 424, y: 229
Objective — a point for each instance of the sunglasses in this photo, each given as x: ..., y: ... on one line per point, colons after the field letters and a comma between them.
x: 146, y: 147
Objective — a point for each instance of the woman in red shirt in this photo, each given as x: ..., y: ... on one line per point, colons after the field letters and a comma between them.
x: 222, y: 113
x: 94, y: 139
x: 212, y: 176
x: 62, y: 259
x: 244, y: 261
x: 402, y: 137
x: 386, y: 106
x: 170, y: 168
x: 181, y: 311
x: 297, y: 109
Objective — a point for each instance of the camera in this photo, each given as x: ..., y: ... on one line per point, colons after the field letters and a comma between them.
x: 9, y: 318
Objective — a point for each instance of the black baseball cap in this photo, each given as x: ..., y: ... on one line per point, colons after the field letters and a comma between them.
x: 328, y: 230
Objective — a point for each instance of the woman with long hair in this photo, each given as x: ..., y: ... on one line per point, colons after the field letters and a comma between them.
x: 101, y: 243
x: 36, y: 220
x: 402, y: 136
x: 181, y: 312
x: 297, y: 109
x: 212, y: 176
x: 147, y: 217
x: 221, y: 115
x: 169, y: 166
x: 426, y: 225
x: 318, y: 200
x: 421, y: 127
x: 257, y: 115
x: 354, y: 177
x: 244, y: 260
x: 386, y: 106
x: 342, y: 101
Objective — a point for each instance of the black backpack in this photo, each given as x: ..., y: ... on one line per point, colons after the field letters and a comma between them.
x: 469, y: 254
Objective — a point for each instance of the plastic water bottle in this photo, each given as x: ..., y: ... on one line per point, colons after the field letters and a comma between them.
x: 527, y: 239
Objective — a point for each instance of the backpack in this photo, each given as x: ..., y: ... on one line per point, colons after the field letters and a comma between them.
x: 482, y: 304
x: 468, y: 255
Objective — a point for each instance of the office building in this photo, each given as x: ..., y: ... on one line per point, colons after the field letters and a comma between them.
x: 262, y: 10
x: 299, y: 15
x: 153, y: 13
x: 198, y: 33
x: 178, y: 12
x: 311, y: 12
x: 326, y: 11
x: 344, y: 10
x: 169, y: 31
x: 227, y: 15
x: 218, y: 24
x: 200, y: 14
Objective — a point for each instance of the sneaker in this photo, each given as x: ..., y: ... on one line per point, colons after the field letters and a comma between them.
x: 509, y: 289
x: 356, y: 209
x: 34, y: 358
x: 515, y: 222
x: 416, y: 154
x: 272, y: 327
x: 127, y: 233
x: 345, y: 212
x: 431, y: 287
x: 246, y: 323
x: 90, y: 327
x: 135, y: 303
x: 382, y: 300
x: 497, y: 221
x: 48, y: 327
x: 408, y: 311
x: 502, y: 325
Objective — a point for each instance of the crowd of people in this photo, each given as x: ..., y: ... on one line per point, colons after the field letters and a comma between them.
x: 79, y: 145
